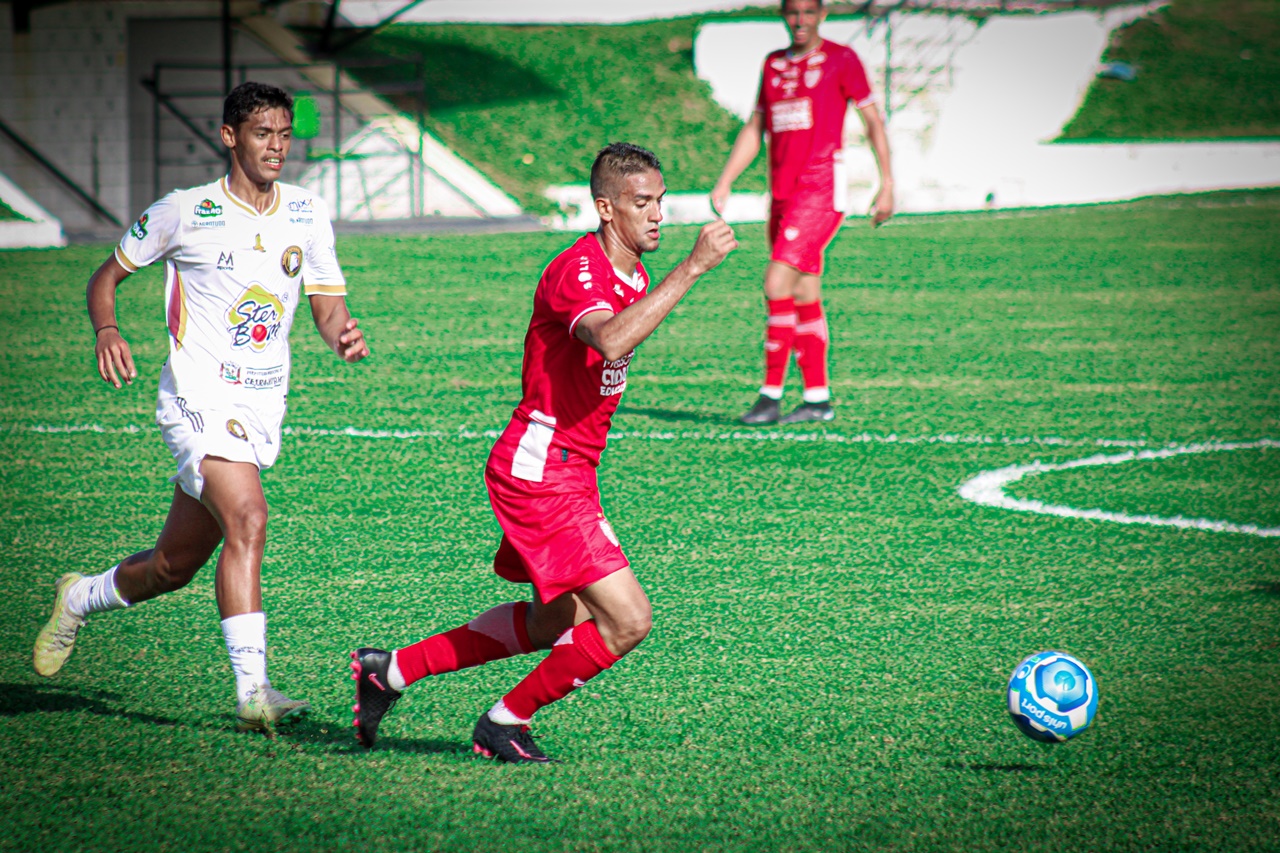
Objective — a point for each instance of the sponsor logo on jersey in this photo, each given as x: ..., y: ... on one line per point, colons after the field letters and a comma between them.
x: 237, y: 429
x: 257, y: 243
x: 226, y: 261
x: 795, y: 114
x: 255, y: 318
x: 584, y: 274
x: 207, y: 209
x: 291, y: 261
x: 812, y: 76
x: 613, y: 375
x: 231, y: 372
x: 262, y: 378
x: 301, y: 220
x: 139, y: 229
x: 300, y: 206
x: 778, y: 64
x: 817, y: 59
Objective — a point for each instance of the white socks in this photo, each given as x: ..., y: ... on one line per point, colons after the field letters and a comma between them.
x: 395, y: 678
x: 246, y: 637
x: 95, y: 594
x: 503, y: 716
x: 820, y: 394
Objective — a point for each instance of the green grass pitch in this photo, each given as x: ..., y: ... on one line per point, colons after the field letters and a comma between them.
x: 835, y: 625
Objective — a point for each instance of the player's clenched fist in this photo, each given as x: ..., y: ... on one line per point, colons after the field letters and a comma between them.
x: 715, y: 242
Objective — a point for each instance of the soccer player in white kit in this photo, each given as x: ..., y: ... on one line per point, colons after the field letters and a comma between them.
x: 238, y: 255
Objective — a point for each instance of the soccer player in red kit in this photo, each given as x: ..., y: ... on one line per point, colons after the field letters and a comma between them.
x: 804, y: 91
x: 592, y: 307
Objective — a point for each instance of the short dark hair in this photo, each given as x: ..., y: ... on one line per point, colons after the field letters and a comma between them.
x: 250, y: 97
x: 784, y: 5
x: 614, y: 162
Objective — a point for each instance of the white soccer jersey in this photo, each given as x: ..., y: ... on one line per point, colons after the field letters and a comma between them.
x: 233, y: 279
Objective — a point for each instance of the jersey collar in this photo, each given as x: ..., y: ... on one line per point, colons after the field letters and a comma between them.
x: 244, y: 205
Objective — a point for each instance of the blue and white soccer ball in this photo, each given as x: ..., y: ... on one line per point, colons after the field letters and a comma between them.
x: 1052, y: 697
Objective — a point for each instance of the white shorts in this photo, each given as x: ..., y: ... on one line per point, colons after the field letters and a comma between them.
x: 232, y: 432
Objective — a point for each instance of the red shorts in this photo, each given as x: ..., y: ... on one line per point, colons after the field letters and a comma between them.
x: 802, y: 225
x: 554, y: 533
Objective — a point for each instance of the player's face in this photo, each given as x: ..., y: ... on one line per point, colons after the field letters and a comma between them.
x: 803, y: 18
x: 260, y: 145
x: 637, y: 211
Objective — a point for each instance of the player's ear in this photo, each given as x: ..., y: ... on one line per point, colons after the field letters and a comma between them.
x: 228, y: 136
x: 604, y: 207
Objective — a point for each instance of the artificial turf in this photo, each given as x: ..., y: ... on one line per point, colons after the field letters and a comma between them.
x: 834, y: 624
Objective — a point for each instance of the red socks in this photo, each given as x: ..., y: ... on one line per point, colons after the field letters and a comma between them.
x: 493, y: 635
x: 779, y: 334
x: 811, y: 351
x: 578, y: 656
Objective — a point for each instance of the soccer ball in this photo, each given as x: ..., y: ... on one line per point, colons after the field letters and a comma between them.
x: 1052, y: 697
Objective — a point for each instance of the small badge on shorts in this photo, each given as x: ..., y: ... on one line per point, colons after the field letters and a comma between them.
x: 237, y: 429
x: 291, y: 261
x: 607, y: 529
x: 791, y: 233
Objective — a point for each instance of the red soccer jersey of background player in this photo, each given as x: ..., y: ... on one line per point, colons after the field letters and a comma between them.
x: 803, y: 99
x: 570, y: 392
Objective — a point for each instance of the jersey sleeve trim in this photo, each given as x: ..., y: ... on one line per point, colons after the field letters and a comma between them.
x: 599, y: 306
x: 320, y: 289
x: 123, y: 260
x: 866, y: 102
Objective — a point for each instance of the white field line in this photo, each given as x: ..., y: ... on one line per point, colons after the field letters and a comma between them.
x: 466, y: 434
x: 987, y: 488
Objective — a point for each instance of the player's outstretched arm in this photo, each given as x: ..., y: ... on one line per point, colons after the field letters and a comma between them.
x: 745, y: 148
x: 114, y: 358
x: 883, y: 205
x: 615, y: 335
x: 340, y: 331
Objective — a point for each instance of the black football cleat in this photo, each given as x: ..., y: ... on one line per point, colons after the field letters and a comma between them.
x: 765, y: 411
x: 512, y: 744
x: 374, y: 696
x: 806, y: 412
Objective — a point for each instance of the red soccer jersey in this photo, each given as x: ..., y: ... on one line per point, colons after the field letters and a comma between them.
x: 803, y: 99
x: 570, y: 391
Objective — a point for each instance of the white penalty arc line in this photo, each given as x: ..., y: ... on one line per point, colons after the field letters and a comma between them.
x: 988, y: 488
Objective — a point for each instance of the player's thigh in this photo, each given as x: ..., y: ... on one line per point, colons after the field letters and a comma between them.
x: 620, y: 607
x: 189, y: 536
x: 808, y: 288
x: 233, y: 495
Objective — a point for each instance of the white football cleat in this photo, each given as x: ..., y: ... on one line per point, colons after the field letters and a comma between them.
x: 265, y: 708
x: 58, y: 637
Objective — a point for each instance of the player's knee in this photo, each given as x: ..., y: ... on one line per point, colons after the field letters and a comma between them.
x: 246, y: 524
x: 630, y: 631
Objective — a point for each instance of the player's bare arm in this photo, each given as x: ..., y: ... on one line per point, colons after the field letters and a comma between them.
x: 114, y: 358
x: 340, y: 331
x: 745, y: 148
x: 615, y: 335
x: 883, y: 205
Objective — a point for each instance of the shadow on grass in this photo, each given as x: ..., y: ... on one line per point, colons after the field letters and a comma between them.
x: 671, y: 416
x: 341, y: 738
x: 18, y: 699
x: 1266, y: 587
